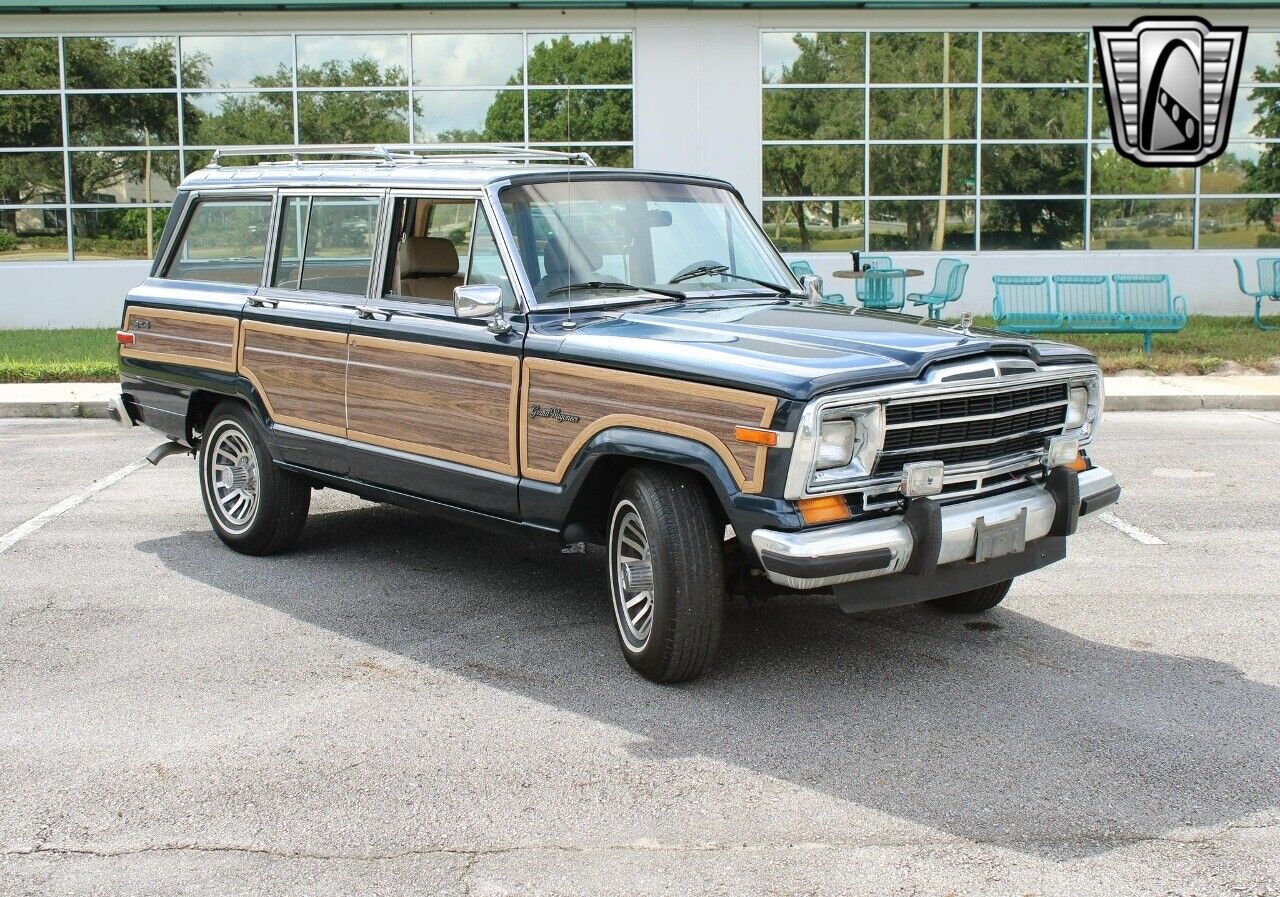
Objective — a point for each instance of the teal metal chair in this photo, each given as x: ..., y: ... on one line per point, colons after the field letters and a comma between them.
x: 1084, y: 301
x: 1024, y: 304
x: 801, y: 268
x: 870, y: 263
x: 948, y: 284
x: 1268, y: 287
x: 1148, y: 305
x: 884, y: 289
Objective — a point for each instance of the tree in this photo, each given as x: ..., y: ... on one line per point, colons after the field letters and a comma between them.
x: 1263, y: 176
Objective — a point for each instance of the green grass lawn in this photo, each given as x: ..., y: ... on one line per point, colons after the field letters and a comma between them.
x: 89, y: 355
x: 83, y: 355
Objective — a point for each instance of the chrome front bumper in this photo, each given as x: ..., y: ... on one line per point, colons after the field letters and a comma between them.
x: 867, y: 549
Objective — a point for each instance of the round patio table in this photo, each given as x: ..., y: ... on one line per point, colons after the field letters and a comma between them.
x: 860, y: 275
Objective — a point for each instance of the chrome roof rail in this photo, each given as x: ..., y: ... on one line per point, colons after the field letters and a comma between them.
x: 402, y: 154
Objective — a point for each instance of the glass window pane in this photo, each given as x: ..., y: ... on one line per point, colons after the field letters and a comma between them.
x: 812, y: 170
x: 241, y: 60
x: 603, y: 156
x: 33, y: 235
x: 467, y: 60
x: 353, y: 60
x: 1256, y: 113
x: 797, y: 113
x: 1016, y: 169
x: 353, y: 117
x: 120, y: 62
x: 813, y: 57
x: 922, y: 113
x: 468, y: 116
x: 340, y: 231
x: 30, y: 121
x: 580, y: 58
x: 224, y: 241
x: 1114, y: 174
x: 237, y: 119
x: 912, y: 225
x: 809, y: 225
x: 1261, y: 57
x: 124, y: 177
x: 28, y: 63
x: 123, y: 119
x: 921, y: 170
x: 1141, y: 224
x: 485, y: 264
x: 293, y: 233
x: 1243, y: 168
x: 31, y: 178
x: 1101, y: 115
x: 1238, y: 223
x: 118, y: 233
x: 578, y: 115
x: 1032, y: 224
x: 1033, y: 112
x: 913, y: 57
x: 1010, y: 57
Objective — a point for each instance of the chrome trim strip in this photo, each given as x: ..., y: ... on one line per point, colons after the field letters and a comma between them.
x: 959, y: 531
x: 959, y: 420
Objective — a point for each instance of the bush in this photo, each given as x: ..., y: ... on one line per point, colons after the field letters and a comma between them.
x: 1269, y: 241
x: 1128, y: 243
x: 8, y: 242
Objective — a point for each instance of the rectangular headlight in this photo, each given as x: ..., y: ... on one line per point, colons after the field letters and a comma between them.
x: 1084, y: 407
x: 848, y: 441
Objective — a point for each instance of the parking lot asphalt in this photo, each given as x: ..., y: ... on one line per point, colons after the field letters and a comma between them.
x: 402, y: 706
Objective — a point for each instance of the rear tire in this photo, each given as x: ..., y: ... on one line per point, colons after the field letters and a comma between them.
x: 666, y: 573
x: 976, y: 600
x: 254, y: 507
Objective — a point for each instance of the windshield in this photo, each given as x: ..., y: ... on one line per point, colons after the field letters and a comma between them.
x: 612, y: 237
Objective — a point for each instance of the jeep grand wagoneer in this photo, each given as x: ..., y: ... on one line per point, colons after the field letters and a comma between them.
x: 519, y: 338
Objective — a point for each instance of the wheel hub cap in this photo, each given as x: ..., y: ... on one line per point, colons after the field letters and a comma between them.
x: 235, y: 477
x: 633, y: 577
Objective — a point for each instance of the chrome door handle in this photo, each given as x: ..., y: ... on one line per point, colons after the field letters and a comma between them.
x: 261, y: 302
x: 368, y: 312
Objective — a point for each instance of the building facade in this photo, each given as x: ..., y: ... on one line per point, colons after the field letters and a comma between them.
x: 918, y: 131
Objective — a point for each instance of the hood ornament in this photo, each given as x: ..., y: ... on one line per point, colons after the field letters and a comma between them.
x: 966, y: 321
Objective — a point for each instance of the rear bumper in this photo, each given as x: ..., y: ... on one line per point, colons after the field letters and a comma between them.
x: 118, y: 411
x: 930, y: 536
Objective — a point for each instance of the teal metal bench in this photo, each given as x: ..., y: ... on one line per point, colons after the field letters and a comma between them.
x: 1024, y: 304
x: 884, y: 289
x: 1085, y: 303
x: 1268, y: 287
x: 801, y: 268
x: 948, y: 284
x: 1149, y: 306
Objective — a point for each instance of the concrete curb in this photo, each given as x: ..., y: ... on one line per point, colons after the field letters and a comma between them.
x: 53, y: 409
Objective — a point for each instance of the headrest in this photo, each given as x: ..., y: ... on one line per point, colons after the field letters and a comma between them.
x: 432, y: 256
x: 585, y: 257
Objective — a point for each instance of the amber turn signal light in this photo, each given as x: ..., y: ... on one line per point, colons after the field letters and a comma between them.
x: 1078, y: 464
x: 756, y: 436
x: 124, y: 337
x: 827, y: 509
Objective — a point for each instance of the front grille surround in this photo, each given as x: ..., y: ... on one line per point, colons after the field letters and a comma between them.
x: 974, y: 427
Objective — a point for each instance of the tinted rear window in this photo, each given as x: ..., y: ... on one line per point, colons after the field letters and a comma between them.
x: 225, y: 241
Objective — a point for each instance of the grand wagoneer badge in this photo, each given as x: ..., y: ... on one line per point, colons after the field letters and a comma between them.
x: 554, y: 414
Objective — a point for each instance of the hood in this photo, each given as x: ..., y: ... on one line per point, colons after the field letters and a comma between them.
x: 786, y: 347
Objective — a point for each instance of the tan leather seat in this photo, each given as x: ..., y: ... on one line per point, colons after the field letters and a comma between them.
x: 428, y: 268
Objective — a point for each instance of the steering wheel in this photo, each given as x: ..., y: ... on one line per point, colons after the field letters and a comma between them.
x: 705, y: 263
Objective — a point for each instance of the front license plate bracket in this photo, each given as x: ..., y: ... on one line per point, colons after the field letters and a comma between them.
x: 993, y: 540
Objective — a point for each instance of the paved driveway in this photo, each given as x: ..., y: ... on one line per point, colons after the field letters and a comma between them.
x: 403, y: 706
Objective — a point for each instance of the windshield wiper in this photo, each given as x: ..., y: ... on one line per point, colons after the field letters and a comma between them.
x: 724, y: 271
x: 616, y: 285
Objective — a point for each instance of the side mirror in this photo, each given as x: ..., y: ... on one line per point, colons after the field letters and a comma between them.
x: 812, y: 285
x: 481, y: 300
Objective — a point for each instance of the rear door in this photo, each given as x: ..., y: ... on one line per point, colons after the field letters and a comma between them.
x: 431, y: 398
x: 293, y: 344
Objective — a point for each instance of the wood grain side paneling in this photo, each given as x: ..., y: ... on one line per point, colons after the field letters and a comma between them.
x: 188, y: 338
x: 563, y: 405
x: 299, y: 372
x: 453, y: 404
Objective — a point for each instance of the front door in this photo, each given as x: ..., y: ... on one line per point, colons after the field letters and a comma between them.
x: 432, y: 399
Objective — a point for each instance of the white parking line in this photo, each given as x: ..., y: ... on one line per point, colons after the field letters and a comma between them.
x: 20, y: 532
x: 1129, y: 529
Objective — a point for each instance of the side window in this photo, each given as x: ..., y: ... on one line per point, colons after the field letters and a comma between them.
x: 432, y: 240
x: 225, y: 241
x: 326, y: 243
x: 485, y: 265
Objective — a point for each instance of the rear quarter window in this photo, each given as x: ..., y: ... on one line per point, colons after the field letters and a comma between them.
x: 224, y: 241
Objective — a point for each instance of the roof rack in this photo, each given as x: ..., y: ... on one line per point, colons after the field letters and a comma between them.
x: 401, y: 154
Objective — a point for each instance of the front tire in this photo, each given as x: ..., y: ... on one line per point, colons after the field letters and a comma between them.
x: 974, y: 601
x: 254, y: 507
x: 666, y: 573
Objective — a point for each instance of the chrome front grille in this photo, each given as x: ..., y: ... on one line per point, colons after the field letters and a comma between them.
x: 976, y: 428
